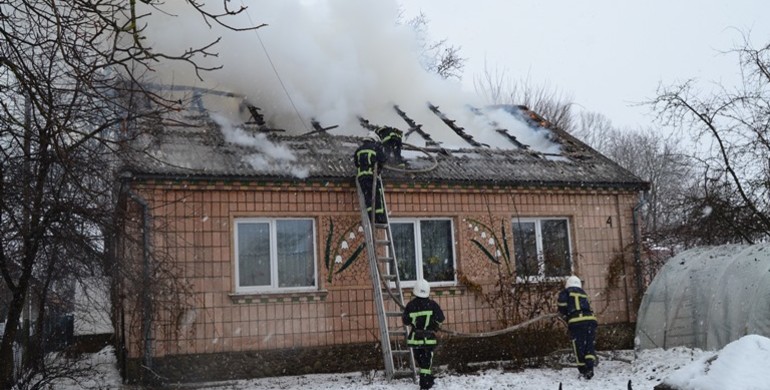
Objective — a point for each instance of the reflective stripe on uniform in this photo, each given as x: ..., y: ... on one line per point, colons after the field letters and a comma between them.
x: 369, y: 154
x: 413, y: 317
x: 575, y: 352
x: 580, y: 317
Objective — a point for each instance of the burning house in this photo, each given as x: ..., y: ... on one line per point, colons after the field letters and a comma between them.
x: 250, y: 240
x: 249, y: 250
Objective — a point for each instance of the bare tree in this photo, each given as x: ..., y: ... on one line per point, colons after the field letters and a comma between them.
x: 595, y: 129
x: 734, y: 122
x: 437, y: 56
x: 68, y: 90
x: 495, y: 86
x: 660, y: 161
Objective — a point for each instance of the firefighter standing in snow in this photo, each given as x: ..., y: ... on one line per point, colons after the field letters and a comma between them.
x: 581, y: 323
x: 367, y: 157
x: 424, y: 316
x: 392, y: 143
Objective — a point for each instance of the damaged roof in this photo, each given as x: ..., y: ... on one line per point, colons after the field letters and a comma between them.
x: 202, y: 149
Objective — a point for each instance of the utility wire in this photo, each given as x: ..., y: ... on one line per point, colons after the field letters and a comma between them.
x: 275, y: 70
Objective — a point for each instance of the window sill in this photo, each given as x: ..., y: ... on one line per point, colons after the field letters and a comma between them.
x: 252, y: 298
x: 541, y: 280
x: 443, y: 291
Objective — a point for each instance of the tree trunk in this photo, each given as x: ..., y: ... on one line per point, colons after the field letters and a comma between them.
x: 11, y: 329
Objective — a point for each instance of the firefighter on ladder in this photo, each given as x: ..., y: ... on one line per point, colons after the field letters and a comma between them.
x: 424, y: 317
x: 369, y: 157
x: 581, y: 323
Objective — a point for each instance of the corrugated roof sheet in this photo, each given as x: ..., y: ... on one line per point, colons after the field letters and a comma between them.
x: 200, y: 151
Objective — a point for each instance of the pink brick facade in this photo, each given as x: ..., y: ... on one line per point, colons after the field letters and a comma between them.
x: 192, y: 226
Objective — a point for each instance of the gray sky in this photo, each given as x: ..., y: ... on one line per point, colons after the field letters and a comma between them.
x: 605, y: 54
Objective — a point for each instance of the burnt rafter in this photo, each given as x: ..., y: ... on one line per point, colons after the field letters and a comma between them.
x: 318, y: 128
x: 504, y: 132
x: 457, y: 129
x: 414, y: 127
x: 366, y: 124
x: 256, y: 117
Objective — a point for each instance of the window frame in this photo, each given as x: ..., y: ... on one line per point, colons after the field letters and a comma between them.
x: 539, y: 247
x: 273, y: 288
x: 415, y: 221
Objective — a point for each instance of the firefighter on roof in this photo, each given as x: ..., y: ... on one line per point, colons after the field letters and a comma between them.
x: 581, y: 323
x: 392, y: 142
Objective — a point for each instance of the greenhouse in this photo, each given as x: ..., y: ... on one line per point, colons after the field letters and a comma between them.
x: 706, y: 298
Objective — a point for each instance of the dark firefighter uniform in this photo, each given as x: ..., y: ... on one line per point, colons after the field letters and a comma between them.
x: 575, y: 309
x: 392, y: 142
x: 424, y: 316
x: 368, y: 156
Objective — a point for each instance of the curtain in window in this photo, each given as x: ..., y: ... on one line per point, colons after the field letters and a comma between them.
x: 403, y: 241
x: 295, y: 253
x: 525, y: 249
x: 254, y: 254
x: 436, y: 245
x: 556, y: 252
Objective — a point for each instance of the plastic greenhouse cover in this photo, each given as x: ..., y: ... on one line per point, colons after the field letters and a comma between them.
x: 706, y: 298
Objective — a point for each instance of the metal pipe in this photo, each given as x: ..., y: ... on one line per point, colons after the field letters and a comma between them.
x: 146, y: 301
x: 637, y: 247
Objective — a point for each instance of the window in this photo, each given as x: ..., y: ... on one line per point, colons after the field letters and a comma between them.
x: 542, y: 247
x: 274, y: 255
x: 424, y: 249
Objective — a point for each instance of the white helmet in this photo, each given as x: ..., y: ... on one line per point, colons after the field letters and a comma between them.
x: 573, y: 281
x: 421, y: 289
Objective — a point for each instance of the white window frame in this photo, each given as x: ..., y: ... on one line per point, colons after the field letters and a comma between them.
x: 273, y: 288
x: 418, y: 250
x: 539, y: 246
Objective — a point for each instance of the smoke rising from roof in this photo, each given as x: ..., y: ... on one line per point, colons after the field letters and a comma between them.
x: 323, y: 60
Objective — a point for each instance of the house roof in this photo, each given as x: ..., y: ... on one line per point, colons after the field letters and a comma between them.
x: 206, y: 149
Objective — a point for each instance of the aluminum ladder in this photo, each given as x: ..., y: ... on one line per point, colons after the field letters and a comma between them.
x: 388, y: 296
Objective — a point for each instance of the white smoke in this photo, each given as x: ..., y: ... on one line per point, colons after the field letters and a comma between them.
x: 327, y: 60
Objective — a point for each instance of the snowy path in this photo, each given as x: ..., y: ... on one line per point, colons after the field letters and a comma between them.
x: 646, y: 371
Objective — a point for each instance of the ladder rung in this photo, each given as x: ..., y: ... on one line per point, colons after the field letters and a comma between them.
x: 389, y: 292
x: 393, y: 314
x: 400, y: 351
x: 388, y: 276
x: 381, y: 225
x: 398, y: 374
x: 398, y: 332
x: 382, y: 242
x: 385, y: 259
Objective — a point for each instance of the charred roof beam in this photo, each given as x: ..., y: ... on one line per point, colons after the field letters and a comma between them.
x: 256, y: 117
x: 318, y: 128
x: 414, y: 127
x: 366, y: 124
x: 504, y: 132
x: 457, y: 129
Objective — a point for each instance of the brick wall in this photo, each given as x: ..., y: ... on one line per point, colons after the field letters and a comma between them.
x: 192, y: 228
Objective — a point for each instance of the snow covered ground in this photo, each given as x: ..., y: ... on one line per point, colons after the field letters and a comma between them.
x: 741, y: 365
